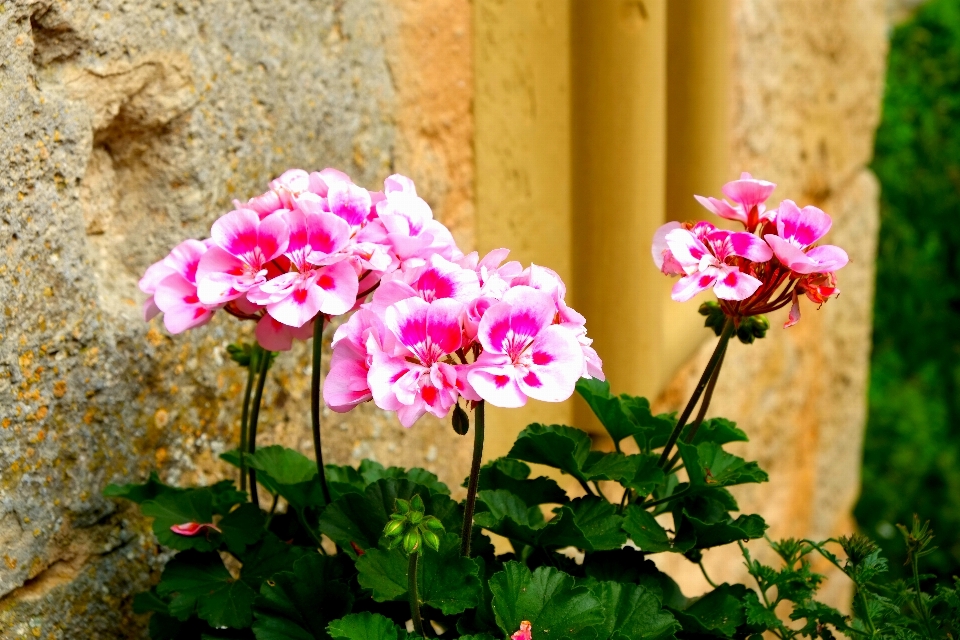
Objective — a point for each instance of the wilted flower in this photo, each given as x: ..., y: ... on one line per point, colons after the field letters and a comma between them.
x: 525, y: 632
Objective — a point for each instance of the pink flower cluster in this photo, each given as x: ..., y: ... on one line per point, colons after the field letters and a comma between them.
x: 758, y: 270
x: 462, y: 328
x: 439, y: 325
x: 314, y: 244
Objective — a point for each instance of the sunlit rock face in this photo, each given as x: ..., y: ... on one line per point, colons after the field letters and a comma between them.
x: 126, y: 127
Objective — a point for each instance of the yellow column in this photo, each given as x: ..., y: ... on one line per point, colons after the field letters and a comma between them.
x: 619, y: 136
x: 522, y: 119
x: 698, y: 99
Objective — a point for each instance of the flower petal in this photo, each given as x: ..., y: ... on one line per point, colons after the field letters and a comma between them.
x: 236, y: 232
x: 496, y: 384
x: 722, y: 208
x: 803, y: 226
x: 828, y: 258
x: 791, y: 256
x: 659, y: 248
x: 686, y: 248
x: 687, y: 287
x: 557, y: 365
x: 749, y: 246
x: 349, y: 202
x: 732, y: 284
x: 748, y: 191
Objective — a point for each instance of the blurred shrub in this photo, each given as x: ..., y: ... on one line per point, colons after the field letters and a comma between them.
x: 912, y: 452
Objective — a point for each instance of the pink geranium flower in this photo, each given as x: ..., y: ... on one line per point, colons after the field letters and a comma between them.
x: 408, y: 224
x: 438, y: 278
x: 354, y: 344
x: 172, y: 284
x: 797, y: 231
x: 708, y: 256
x: 748, y: 195
x: 525, y: 632
x: 524, y: 353
x: 419, y: 376
x: 244, y: 247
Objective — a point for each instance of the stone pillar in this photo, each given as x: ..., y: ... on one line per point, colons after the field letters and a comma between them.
x: 126, y: 128
x: 807, y: 80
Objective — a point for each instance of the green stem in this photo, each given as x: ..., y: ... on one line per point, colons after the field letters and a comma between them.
x: 701, y: 385
x: 414, y: 595
x: 254, y: 418
x: 672, y: 496
x: 244, y: 422
x: 921, y: 605
x: 703, y: 570
x: 866, y: 612
x: 467, y: 530
x: 702, y: 413
x: 315, y: 403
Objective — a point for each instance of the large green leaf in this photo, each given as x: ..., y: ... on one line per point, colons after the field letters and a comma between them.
x: 447, y: 581
x: 372, y: 471
x: 632, y: 612
x: 719, y: 612
x: 242, y: 527
x: 365, y: 626
x: 653, y: 430
x: 269, y: 556
x: 646, y: 532
x: 176, y: 508
x: 284, y: 465
x: 696, y: 532
x: 587, y: 523
x: 360, y: 518
x: 299, y: 604
x: 608, y: 409
x: 513, y: 476
x: 708, y: 465
x: 630, y: 566
x: 200, y: 584
x: 548, y: 599
x: 647, y: 474
x: 507, y: 515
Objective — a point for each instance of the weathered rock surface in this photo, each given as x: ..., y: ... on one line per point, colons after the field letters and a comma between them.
x: 127, y: 127
x: 808, y: 83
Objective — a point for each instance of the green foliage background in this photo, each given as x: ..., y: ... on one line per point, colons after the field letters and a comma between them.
x: 912, y: 452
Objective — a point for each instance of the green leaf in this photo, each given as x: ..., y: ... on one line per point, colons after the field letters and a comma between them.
x: 269, y: 556
x: 366, y: 626
x: 610, y: 466
x: 719, y: 612
x: 360, y: 518
x: 242, y: 527
x: 513, y: 476
x: 708, y: 465
x: 299, y: 604
x: 373, y: 471
x: 630, y: 566
x: 283, y: 465
x: 149, y: 601
x: 646, y: 532
x: 548, y: 598
x: 704, y: 535
x: 587, y: 523
x: 191, y: 505
x: 716, y: 430
x: 447, y: 581
x: 201, y: 585
x: 759, y: 617
x: 632, y: 612
x: 647, y: 475
x: 563, y: 448
x: 607, y: 408
x: 139, y: 493
x: 509, y: 516
x: 343, y: 480
x: 653, y: 430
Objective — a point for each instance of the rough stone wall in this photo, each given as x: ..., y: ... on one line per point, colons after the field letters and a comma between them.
x: 807, y: 85
x: 127, y: 126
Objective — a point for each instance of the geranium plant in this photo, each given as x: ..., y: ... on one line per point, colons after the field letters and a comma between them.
x: 370, y: 552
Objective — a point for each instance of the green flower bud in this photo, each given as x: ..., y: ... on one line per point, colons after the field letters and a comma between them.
x: 403, y: 506
x: 417, y: 503
x: 461, y: 421
x: 431, y: 540
x: 745, y: 333
x: 393, y: 528
x: 715, y: 319
x: 393, y: 542
x: 411, y: 542
x: 239, y: 352
x: 398, y: 516
x: 432, y: 523
x: 415, y: 517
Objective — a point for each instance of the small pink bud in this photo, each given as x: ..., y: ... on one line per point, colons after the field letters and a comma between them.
x: 192, y: 528
x: 525, y: 632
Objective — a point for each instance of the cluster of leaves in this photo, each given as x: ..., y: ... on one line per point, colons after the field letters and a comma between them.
x: 579, y: 566
x: 912, y: 448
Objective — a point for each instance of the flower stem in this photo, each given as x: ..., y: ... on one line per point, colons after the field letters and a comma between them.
x: 921, y: 605
x: 712, y: 365
x: 702, y: 413
x: 254, y: 417
x: 315, y: 403
x: 244, y: 422
x: 414, y: 594
x: 467, y: 530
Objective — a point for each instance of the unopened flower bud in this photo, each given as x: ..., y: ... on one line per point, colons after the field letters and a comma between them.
x: 417, y: 503
x: 431, y: 540
x: 411, y: 541
x: 461, y: 421
x: 403, y: 506
x: 432, y: 523
x: 393, y: 528
x: 240, y: 353
x: 415, y: 517
x: 715, y: 319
